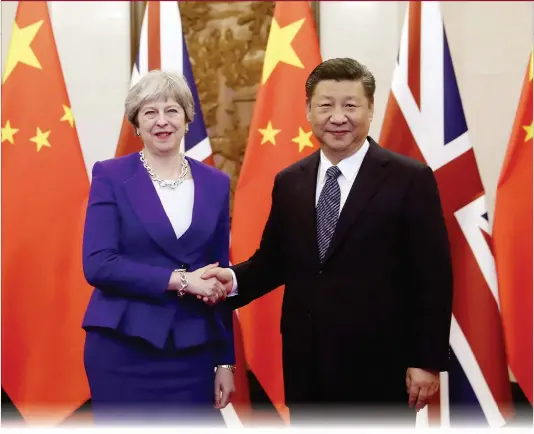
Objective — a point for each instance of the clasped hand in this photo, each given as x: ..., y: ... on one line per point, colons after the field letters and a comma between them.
x: 210, y: 284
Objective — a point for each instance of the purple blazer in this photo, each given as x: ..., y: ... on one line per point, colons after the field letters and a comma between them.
x: 130, y: 250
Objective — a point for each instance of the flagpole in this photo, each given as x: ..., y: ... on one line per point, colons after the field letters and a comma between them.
x: 137, y: 11
x: 316, y: 13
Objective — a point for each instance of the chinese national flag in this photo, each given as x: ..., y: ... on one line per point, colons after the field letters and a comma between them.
x: 512, y: 238
x: 279, y: 135
x: 44, y: 192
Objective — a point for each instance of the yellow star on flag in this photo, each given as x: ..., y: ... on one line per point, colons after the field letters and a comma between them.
x: 41, y: 139
x: 528, y: 129
x: 20, y: 50
x: 279, y: 48
x: 303, y: 140
x: 8, y: 133
x: 268, y: 134
x: 68, y: 116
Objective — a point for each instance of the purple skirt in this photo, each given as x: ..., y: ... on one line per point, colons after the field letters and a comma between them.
x: 133, y: 382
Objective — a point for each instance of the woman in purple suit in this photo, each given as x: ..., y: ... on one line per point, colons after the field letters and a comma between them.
x: 158, y: 347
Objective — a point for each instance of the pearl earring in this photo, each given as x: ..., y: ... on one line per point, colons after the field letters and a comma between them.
x: 137, y: 132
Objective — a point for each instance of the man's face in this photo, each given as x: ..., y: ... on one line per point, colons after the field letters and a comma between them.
x: 340, y: 115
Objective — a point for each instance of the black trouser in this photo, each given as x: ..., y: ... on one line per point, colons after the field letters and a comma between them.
x: 367, y: 402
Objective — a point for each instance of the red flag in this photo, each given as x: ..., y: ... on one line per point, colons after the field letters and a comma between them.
x: 512, y: 240
x: 44, y: 193
x: 279, y: 135
x: 424, y: 119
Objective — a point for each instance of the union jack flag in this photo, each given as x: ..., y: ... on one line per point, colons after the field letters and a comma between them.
x: 425, y: 120
x: 162, y: 46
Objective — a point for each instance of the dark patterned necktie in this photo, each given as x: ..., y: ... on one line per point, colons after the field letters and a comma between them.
x: 328, y: 210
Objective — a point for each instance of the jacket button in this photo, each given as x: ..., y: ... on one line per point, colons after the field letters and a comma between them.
x: 309, y: 314
x: 320, y: 272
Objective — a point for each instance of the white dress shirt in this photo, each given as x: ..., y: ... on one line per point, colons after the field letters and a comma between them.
x: 178, y: 204
x: 349, y: 168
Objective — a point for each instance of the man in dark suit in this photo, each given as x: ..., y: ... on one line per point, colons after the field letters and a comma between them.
x: 357, y: 236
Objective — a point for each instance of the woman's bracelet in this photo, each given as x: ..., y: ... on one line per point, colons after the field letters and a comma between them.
x: 183, y: 283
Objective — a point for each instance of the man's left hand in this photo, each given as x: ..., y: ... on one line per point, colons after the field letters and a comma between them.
x: 421, y: 386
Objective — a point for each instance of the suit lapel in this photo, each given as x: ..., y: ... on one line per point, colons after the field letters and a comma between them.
x: 371, y: 175
x: 146, y: 204
x: 307, y: 213
x: 196, y: 232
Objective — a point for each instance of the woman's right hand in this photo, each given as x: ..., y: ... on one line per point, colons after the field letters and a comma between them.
x: 210, y: 290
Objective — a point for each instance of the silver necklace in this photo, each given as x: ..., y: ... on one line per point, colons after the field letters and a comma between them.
x: 162, y: 182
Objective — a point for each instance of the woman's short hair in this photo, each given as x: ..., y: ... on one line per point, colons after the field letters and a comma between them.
x: 159, y: 85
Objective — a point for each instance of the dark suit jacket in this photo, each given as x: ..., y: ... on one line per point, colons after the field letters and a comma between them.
x: 381, y: 300
x: 130, y: 250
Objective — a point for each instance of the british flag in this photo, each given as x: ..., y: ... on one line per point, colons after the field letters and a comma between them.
x: 425, y: 119
x: 162, y: 46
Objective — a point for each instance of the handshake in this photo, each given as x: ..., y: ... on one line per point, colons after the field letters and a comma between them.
x: 210, y: 284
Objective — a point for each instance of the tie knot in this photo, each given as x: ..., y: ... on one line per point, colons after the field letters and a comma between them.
x: 333, y: 172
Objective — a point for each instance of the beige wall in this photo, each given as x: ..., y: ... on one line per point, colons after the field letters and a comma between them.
x: 489, y: 43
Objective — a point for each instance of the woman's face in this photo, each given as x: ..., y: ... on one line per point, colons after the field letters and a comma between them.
x: 162, y: 125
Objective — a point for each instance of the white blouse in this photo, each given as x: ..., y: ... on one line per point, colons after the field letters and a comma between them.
x: 178, y: 204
